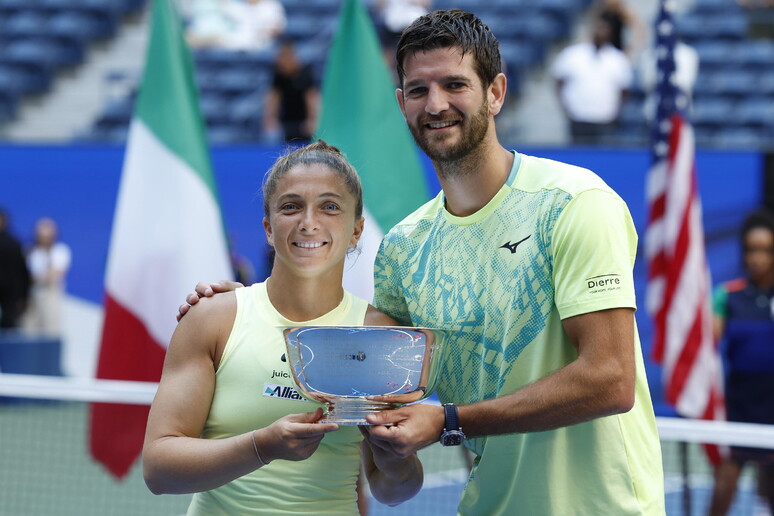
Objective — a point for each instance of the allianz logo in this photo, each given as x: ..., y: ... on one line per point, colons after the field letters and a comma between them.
x: 272, y: 390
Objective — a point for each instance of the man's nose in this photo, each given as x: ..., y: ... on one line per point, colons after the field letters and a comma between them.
x: 436, y: 101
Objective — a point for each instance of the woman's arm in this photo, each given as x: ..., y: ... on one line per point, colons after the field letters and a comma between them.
x: 175, y: 458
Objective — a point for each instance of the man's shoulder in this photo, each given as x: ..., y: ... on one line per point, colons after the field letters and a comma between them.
x: 427, y: 211
x: 538, y: 174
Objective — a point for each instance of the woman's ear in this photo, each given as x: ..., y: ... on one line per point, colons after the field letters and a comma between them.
x: 357, y: 232
x: 267, y: 229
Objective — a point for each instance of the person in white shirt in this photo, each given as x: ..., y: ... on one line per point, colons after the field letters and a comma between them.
x: 48, y: 262
x: 592, y: 78
x: 257, y: 24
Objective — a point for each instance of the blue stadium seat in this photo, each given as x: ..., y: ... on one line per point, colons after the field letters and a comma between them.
x: 117, y: 112
x: 239, y: 81
x: 754, y: 54
x: 520, y: 54
x: 755, y: 111
x: 25, y: 24
x: 225, y: 134
x: 106, y: 12
x: 247, y: 112
x: 304, y: 26
x: 714, y: 54
x: 715, y: 6
x: 738, y: 138
x: 727, y: 25
x: 26, y: 79
x: 715, y: 111
x: 214, y: 108
x: 694, y: 27
x: 766, y: 82
x: 82, y: 26
x: 738, y: 83
x: 16, y: 6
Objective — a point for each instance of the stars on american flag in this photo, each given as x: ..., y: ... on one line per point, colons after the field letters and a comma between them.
x: 670, y: 99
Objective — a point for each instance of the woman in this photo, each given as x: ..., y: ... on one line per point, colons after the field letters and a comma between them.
x: 48, y: 262
x: 744, y: 316
x: 216, y: 426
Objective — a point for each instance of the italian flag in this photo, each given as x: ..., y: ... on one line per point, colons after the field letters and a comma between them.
x: 361, y: 117
x: 167, y: 235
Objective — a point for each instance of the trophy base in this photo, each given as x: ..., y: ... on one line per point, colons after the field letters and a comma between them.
x: 352, y: 411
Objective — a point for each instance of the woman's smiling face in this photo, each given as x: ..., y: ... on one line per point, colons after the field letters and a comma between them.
x: 312, y: 220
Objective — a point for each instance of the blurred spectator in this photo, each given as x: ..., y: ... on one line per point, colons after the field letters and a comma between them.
x: 744, y: 318
x: 628, y: 33
x: 48, y: 261
x: 292, y: 103
x: 14, y: 276
x: 392, y: 16
x: 208, y: 22
x: 592, y: 79
x: 686, y: 71
x: 257, y: 24
x: 234, y: 24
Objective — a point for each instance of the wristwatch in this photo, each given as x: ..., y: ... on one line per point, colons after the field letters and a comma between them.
x: 452, y: 431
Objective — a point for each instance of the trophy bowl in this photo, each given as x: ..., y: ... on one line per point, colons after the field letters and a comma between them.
x: 357, y: 370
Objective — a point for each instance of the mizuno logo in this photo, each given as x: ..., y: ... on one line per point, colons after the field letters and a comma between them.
x: 281, y: 391
x: 512, y: 247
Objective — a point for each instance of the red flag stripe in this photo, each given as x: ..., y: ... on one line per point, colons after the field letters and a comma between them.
x: 128, y: 352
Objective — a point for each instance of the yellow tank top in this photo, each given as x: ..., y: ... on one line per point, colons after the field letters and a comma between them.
x: 254, y: 388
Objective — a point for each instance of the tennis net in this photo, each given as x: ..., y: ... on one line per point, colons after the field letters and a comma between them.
x: 46, y: 468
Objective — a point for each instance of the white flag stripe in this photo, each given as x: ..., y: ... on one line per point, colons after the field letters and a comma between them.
x: 359, y: 265
x: 679, y: 190
x: 688, y: 297
x: 178, y: 218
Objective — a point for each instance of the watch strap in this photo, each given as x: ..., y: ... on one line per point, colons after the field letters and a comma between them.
x: 452, y: 419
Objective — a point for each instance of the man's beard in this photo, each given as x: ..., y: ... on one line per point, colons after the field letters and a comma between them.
x: 474, y: 132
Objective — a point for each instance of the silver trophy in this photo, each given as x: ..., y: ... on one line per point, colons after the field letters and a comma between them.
x: 357, y: 370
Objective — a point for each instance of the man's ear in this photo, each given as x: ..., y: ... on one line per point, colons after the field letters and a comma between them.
x: 496, y: 93
x: 401, y: 104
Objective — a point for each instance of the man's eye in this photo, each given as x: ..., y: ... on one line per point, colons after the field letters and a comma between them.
x: 288, y: 206
x: 455, y: 85
x: 330, y: 206
x: 420, y: 90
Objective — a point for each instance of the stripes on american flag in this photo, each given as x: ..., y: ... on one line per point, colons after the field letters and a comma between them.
x: 678, y: 295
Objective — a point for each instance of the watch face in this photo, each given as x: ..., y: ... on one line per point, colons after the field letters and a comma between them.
x: 452, y: 438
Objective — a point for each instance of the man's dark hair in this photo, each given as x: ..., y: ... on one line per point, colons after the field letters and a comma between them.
x: 452, y: 28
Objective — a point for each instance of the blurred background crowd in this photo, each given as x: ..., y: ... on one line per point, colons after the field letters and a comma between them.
x: 69, y: 68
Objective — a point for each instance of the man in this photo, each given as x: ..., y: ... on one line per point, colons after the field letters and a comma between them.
x: 592, y: 80
x: 530, y: 262
x: 293, y: 100
x: 14, y: 277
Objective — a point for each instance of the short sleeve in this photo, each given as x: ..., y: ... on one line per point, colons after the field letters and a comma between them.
x: 594, y: 246
x: 719, y: 301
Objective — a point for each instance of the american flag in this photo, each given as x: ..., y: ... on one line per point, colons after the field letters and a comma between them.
x: 678, y: 295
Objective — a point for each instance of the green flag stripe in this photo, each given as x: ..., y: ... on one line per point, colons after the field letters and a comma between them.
x: 168, y: 102
x: 361, y: 116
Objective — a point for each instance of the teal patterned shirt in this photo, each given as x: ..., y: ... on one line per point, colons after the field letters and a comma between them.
x: 553, y: 243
